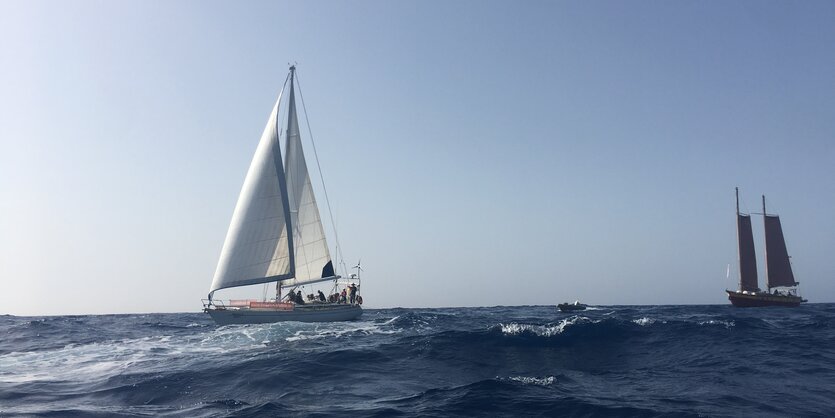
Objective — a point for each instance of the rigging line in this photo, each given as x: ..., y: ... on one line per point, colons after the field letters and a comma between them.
x: 338, y: 251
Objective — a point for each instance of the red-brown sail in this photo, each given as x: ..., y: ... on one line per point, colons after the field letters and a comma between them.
x: 778, y: 268
x: 747, y: 255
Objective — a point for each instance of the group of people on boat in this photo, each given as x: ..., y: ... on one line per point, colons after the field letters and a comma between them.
x: 349, y: 294
x: 296, y: 297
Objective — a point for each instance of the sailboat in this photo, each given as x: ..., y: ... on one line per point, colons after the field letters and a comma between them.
x: 779, y: 276
x: 276, y: 237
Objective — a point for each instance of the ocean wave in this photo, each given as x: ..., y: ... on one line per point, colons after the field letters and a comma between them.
x: 418, y: 320
x: 540, y: 381
x: 504, y: 361
x: 343, y: 330
x: 502, y: 397
x: 104, y: 359
x: 726, y: 324
x: 646, y: 321
x: 543, y: 330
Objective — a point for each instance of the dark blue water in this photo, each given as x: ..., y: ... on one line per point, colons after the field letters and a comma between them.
x: 501, y: 361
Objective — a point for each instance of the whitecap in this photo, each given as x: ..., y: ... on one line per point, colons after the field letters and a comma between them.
x: 343, y: 330
x: 727, y: 324
x: 543, y: 330
x: 539, y: 381
x: 646, y: 321
x: 104, y: 359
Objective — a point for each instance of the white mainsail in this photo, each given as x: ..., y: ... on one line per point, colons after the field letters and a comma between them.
x: 256, y: 249
x: 312, y: 258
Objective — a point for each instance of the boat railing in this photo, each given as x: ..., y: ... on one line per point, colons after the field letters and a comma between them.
x: 231, y: 303
x: 255, y: 303
x: 207, y: 303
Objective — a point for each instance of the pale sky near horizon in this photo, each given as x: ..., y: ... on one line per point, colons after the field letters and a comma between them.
x: 476, y: 153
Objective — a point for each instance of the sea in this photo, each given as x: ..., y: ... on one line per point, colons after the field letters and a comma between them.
x: 623, y: 361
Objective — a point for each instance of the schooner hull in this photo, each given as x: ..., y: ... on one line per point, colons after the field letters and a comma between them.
x: 322, y: 313
x: 742, y: 300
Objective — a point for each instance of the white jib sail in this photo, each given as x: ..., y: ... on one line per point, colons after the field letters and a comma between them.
x: 256, y: 246
x: 310, y: 245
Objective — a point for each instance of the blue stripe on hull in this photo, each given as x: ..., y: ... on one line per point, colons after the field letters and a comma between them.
x: 329, y: 313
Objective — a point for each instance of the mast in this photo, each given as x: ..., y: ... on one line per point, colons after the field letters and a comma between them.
x: 738, y: 239
x: 765, y: 251
x: 291, y: 105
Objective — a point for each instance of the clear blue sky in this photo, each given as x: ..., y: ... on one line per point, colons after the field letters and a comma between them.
x: 476, y: 153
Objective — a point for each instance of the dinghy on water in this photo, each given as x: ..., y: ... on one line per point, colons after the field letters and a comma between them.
x: 569, y: 307
x: 276, y: 236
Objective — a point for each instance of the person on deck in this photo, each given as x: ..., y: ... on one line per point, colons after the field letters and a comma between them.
x: 352, y: 290
x: 321, y: 296
x: 342, y: 298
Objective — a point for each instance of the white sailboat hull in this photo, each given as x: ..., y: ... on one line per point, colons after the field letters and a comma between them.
x: 312, y: 313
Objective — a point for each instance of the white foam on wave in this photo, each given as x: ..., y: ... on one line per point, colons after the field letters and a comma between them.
x: 101, y: 360
x: 543, y: 330
x: 72, y: 362
x: 343, y: 329
x: 647, y: 321
x: 104, y: 359
x: 726, y: 324
x: 539, y: 381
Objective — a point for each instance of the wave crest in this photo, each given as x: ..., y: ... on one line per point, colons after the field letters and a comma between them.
x: 543, y: 330
x: 647, y: 321
x: 726, y: 324
x: 539, y: 381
